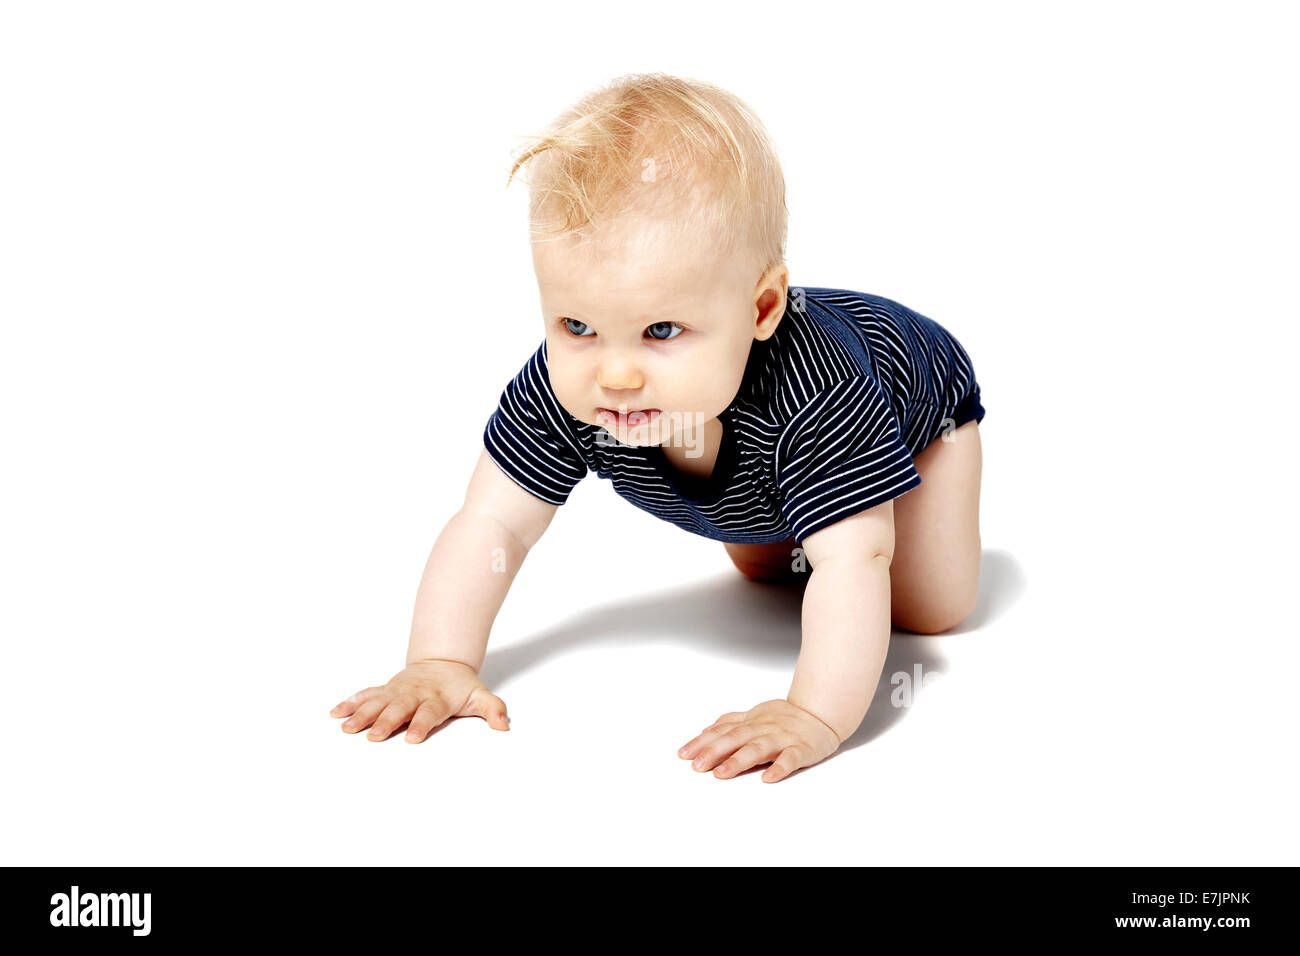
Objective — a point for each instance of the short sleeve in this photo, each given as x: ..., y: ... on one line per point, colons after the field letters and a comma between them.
x: 839, y: 455
x: 529, y: 436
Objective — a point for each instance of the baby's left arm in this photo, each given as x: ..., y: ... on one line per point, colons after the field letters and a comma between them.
x: 846, y: 624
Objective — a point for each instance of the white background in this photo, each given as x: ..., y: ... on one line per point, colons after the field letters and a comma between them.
x: 261, y: 286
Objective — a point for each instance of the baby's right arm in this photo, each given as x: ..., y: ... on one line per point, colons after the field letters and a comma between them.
x: 469, y: 572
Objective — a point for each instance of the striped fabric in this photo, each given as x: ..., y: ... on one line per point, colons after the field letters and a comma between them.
x: 830, y: 413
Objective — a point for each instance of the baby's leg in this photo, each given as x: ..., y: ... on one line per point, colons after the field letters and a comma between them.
x: 768, y: 562
x: 934, y: 577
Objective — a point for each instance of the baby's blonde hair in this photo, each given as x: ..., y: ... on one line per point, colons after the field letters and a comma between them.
x: 658, y: 158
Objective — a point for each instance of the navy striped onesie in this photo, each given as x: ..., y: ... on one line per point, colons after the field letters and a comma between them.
x: 832, y: 409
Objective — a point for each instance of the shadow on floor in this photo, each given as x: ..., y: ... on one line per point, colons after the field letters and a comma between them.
x: 733, y: 615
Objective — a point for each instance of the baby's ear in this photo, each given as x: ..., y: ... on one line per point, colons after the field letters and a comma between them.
x: 770, y: 307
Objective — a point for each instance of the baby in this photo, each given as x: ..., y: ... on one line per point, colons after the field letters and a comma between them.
x: 828, y: 438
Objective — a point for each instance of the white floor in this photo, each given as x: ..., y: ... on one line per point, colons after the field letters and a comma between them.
x: 236, y: 416
x: 193, y: 728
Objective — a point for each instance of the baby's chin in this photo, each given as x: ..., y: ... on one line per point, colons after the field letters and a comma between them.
x: 647, y: 437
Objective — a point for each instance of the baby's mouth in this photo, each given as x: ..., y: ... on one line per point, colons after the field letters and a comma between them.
x: 631, y: 419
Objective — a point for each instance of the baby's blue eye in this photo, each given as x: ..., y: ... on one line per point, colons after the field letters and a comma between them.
x: 665, y: 327
x: 660, y: 331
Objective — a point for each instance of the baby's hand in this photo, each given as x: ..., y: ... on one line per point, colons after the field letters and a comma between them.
x: 426, y: 693
x: 775, y: 731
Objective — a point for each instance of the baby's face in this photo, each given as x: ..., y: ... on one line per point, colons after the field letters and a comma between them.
x: 649, y: 346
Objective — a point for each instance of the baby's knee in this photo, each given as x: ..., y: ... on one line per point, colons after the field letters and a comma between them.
x: 938, y: 614
x: 755, y: 572
x: 768, y: 562
x: 764, y: 572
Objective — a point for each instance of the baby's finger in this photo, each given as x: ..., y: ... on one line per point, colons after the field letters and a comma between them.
x: 394, y: 715
x: 427, y: 716
x: 365, y: 714
x: 722, y: 746
x: 726, y: 720
x: 787, y: 762
x: 703, y: 738
x: 759, y: 750
x: 493, y: 709
x: 346, y: 707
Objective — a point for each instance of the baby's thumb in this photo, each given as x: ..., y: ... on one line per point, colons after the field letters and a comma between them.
x: 493, y: 709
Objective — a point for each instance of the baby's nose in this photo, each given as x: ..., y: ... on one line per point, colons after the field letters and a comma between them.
x: 619, y: 376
